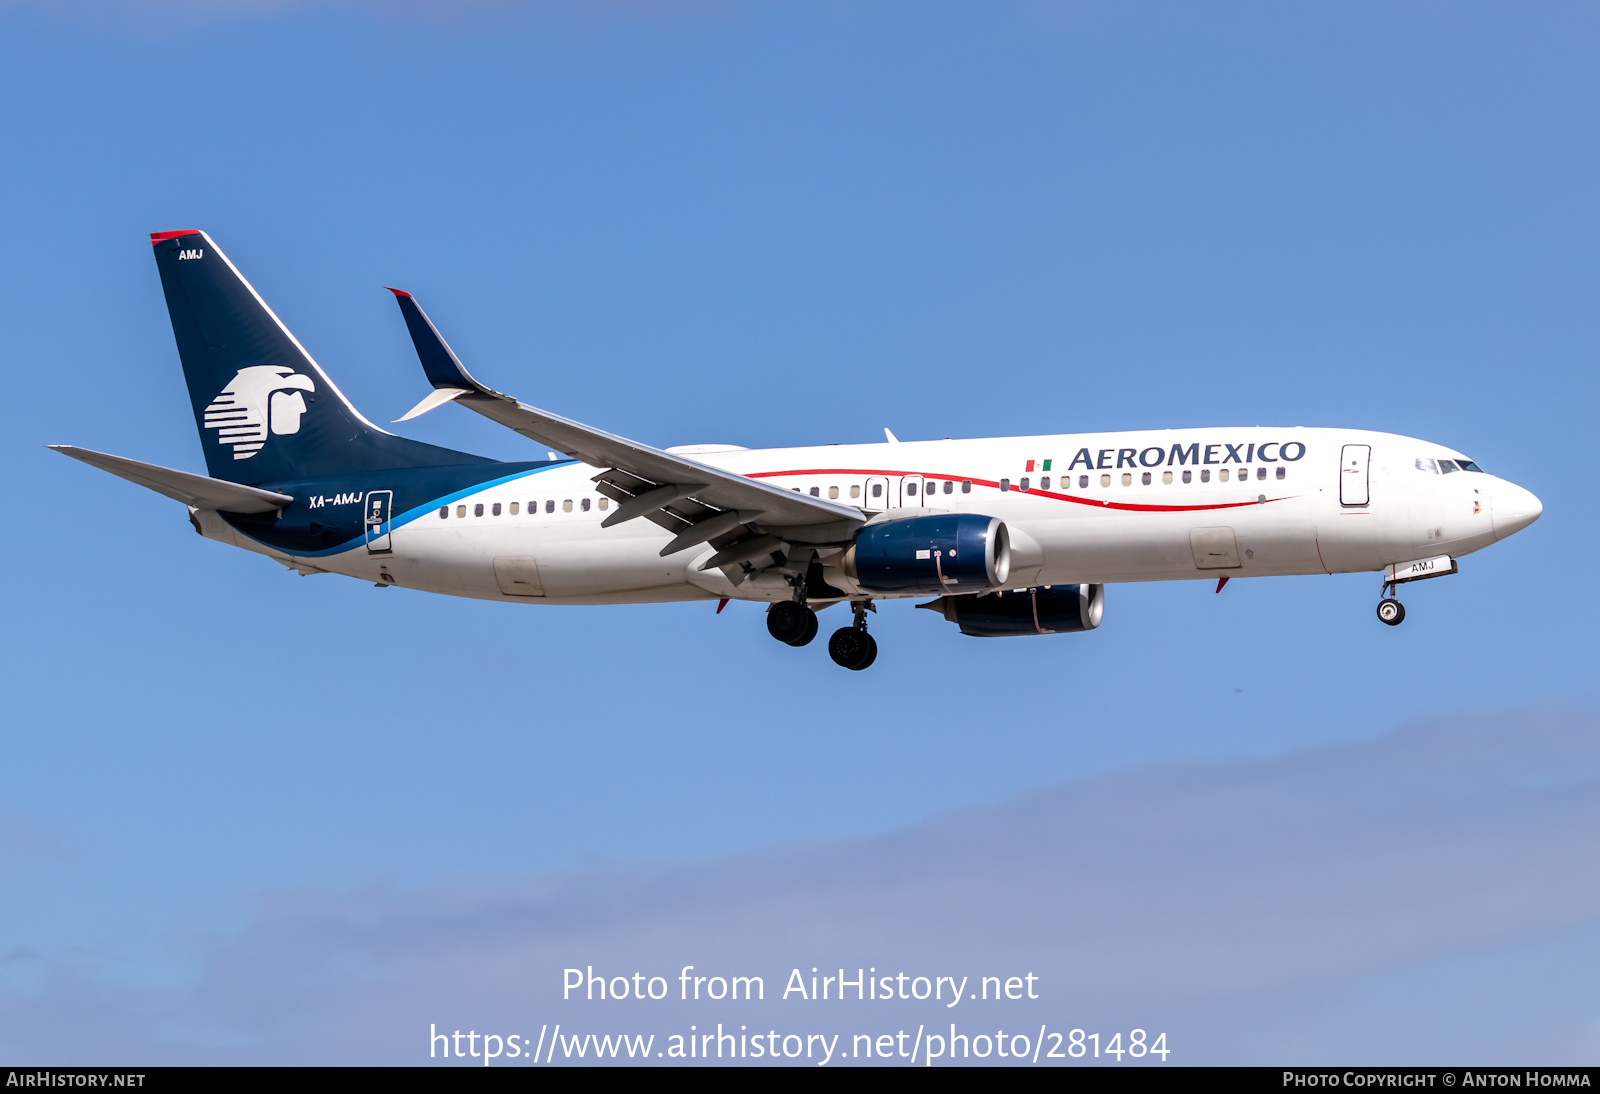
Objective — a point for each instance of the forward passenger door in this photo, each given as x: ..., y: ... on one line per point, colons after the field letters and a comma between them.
x: 1355, y: 461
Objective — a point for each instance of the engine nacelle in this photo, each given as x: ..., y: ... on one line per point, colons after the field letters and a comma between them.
x: 945, y: 553
x: 1055, y: 609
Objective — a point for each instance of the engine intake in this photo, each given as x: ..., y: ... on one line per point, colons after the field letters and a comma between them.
x: 1054, y: 609
x: 946, y: 553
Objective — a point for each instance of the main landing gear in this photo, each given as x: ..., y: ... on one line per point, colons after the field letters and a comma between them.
x: 1390, y: 610
x: 852, y: 647
x: 795, y: 624
x: 791, y: 622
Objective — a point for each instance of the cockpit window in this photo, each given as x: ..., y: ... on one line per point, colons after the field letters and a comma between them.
x: 1468, y: 465
x: 1425, y: 464
x: 1447, y: 466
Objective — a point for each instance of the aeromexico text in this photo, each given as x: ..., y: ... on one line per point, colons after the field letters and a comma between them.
x: 1109, y: 459
x: 865, y: 984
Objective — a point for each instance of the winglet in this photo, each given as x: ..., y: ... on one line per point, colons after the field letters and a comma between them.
x: 439, y: 362
x: 437, y: 397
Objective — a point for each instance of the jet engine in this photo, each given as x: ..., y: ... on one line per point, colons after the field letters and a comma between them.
x: 945, y: 553
x: 1051, y: 609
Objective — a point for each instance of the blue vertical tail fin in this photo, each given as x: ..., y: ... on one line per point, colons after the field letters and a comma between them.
x: 265, y: 409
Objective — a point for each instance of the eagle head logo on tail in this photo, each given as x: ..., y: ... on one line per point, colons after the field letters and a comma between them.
x: 259, y: 399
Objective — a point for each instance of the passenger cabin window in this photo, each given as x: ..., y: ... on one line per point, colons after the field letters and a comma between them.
x: 1105, y: 480
x: 930, y: 488
x: 1044, y: 482
x: 513, y: 508
x: 477, y: 510
x: 550, y: 505
x: 911, y: 488
x: 496, y: 510
x: 1127, y: 479
x: 1023, y: 485
x: 1261, y: 473
x: 877, y: 489
x: 461, y: 510
x: 1282, y: 473
x: 1005, y: 484
x: 444, y: 511
x: 1166, y: 477
x: 855, y: 491
x: 1188, y: 476
x: 833, y: 492
x: 1145, y: 478
x: 1222, y: 476
x: 966, y: 486
x: 948, y: 486
x: 566, y: 506
x: 605, y: 503
x: 816, y: 491
x: 1083, y: 482
x: 584, y: 505
x: 1205, y: 476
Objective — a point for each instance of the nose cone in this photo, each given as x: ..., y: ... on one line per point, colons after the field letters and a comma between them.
x: 1514, y: 509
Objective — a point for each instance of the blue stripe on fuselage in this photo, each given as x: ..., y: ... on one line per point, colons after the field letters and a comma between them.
x: 320, y: 512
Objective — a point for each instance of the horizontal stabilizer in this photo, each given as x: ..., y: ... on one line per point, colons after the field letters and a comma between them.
x: 196, y: 490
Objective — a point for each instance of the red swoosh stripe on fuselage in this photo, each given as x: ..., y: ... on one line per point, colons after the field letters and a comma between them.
x: 1096, y: 502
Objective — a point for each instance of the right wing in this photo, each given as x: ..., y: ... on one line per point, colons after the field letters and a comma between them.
x: 196, y: 490
x: 753, y: 524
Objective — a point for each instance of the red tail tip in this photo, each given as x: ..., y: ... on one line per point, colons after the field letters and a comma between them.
x: 399, y: 292
x: 157, y: 237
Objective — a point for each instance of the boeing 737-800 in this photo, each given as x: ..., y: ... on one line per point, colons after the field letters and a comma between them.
x: 1010, y: 536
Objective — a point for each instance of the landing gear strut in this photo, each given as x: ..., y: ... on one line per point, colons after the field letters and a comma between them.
x: 1390, y: 610
x: 852, y: 647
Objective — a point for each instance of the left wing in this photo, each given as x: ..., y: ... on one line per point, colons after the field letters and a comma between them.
x: 752, y: 524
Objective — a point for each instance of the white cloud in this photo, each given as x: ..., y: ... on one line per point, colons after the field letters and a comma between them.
x: 1331, y: 904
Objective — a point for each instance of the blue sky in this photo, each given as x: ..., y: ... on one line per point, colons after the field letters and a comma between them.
x: 765, y: 225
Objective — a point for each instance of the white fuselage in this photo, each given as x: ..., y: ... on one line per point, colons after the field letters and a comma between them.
x: 1080, y: 508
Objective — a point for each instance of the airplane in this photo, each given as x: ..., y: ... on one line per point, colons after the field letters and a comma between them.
x: 1011, y: 536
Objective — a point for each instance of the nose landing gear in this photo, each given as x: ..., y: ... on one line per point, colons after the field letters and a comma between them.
x: 1390, y: 610
x: 852, y: 647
